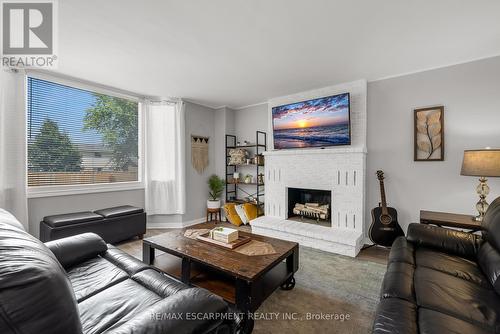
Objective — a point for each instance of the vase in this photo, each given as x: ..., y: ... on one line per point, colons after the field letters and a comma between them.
x: 211, y: 204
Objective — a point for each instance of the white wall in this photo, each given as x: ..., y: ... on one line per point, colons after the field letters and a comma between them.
x: 470, y: 94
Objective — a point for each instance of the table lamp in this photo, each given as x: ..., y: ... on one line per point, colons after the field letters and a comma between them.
x: 482, y: 163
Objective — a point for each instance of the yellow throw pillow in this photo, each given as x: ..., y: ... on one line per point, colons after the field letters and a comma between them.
x: 231, y: 214
x: 251, y: 211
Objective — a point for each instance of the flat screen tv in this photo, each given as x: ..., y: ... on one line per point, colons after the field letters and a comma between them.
x: 319, y: 122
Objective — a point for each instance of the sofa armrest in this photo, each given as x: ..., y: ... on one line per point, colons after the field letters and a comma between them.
x: 78, y: 248
x: 443, y: 239
x: 188, y: 311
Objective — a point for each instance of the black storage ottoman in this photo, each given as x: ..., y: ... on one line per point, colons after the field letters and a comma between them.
x: 112, y: 224
x: 123, y: 222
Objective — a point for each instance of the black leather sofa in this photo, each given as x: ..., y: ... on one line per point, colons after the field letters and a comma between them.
x: 441, y: 280
x: 81, y: 285
x: 112, y: 224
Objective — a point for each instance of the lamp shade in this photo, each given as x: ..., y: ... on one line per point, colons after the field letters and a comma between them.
x: 481, y: 163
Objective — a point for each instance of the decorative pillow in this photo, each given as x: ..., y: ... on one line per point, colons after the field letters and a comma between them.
x: 237, y: 156
x: 251, y: 211
x: 241, y: 213
x: 231, y: 214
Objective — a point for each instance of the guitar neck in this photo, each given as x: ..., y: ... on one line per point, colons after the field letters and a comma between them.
x: 382, y: 196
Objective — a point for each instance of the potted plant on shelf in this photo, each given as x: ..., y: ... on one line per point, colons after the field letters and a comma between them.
x: 216, y: 185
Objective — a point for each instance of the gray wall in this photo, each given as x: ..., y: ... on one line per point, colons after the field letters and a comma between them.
x: 224, y: 124
x: 45, y: 206
x: 200, y: 121
x: 470, y: 95
x: 249, y: 120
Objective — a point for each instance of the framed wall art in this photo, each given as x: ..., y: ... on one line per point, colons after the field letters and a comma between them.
x: 429, y: 134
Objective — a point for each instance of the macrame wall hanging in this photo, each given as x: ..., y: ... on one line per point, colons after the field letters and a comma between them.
x: 199, y: 153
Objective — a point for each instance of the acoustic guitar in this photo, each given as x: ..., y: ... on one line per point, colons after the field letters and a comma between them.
x: 385, y: 227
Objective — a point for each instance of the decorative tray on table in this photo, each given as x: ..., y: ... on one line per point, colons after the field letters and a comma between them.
x: 224, y: 237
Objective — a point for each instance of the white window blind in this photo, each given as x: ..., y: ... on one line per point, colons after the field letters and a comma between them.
x: 77, y: 136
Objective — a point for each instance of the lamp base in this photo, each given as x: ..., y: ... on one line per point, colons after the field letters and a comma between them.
x: 482, y: 190
x: 478, y: 218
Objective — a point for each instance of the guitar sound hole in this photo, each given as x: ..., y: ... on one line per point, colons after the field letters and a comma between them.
x: 385, y: 219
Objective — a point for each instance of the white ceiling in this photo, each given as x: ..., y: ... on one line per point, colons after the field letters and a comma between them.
x: 242, y: 52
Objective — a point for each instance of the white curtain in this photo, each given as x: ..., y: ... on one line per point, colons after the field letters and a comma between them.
x: 165, y: 158
x: 13, y: 145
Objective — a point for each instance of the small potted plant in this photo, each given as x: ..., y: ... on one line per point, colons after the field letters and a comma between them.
x: 216, y: 186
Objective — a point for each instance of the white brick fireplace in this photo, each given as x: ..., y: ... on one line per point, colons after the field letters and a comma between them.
x: 340, y: 170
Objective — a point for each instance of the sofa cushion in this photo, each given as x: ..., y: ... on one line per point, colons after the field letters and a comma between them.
x: 457, y: 297
x: 432, y: 322
x: 491, y: 224
x: 402, y: 251
x: 452, y: 265
x: 398, y: 281
x: 128, y: 263
x: 76, y: 249
x: 489, y: 261
x: 186, y: 303
x: 444, y: 240
x: 35, y: 294
x: 93, y: 276
x: 159, y: 283
x: 71, y: 218
x: 115, y: 305
x: 118, y: 211
x: 395, y: 315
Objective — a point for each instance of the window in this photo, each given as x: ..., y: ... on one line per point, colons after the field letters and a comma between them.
x: 80, y: 137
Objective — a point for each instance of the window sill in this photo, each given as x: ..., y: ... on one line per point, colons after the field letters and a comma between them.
x: 53, y: 191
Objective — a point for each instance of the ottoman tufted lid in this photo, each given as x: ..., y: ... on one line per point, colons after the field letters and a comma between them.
x: 71, y: 218
x: 118, y: 211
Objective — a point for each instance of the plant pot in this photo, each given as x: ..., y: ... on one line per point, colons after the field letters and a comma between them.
x: 211, y: 204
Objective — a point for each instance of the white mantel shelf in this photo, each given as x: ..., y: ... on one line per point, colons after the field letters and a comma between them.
x: 336, y: 150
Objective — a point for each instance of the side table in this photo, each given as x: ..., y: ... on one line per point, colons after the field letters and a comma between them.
x: 450, y: 220
x: 211, y: 213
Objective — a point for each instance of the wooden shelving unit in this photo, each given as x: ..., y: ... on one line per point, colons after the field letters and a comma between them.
x: 234, y: 190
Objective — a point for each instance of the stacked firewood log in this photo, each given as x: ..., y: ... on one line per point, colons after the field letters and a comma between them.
x: 312, y: 210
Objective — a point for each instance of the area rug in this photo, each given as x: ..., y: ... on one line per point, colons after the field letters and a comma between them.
x: 333, y: 294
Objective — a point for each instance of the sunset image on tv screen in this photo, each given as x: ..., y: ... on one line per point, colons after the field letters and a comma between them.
x: 313, y: 123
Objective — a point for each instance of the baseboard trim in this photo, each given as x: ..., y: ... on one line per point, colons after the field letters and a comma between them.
x: 175, y: 224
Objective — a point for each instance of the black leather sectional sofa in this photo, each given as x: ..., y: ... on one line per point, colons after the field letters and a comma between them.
x: 81, y: 285
x: 441, y: 280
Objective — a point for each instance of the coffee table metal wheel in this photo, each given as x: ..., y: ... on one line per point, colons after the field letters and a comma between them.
x: 289, y: 284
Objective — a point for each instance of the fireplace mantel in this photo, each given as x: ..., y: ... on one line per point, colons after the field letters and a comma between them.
x: 333, y: 150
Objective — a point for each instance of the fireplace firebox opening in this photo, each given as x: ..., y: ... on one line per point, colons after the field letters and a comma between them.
x: 311, y: 206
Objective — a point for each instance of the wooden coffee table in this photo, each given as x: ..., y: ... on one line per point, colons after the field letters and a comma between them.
x: 245, y: 281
